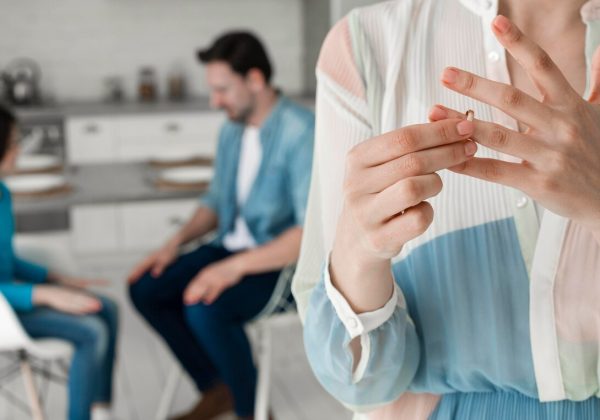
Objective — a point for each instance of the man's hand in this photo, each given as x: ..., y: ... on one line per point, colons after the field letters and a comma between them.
x: 208, y: 285
x: 155, y: 262
x: 66, y: 300
x: 560, y: 150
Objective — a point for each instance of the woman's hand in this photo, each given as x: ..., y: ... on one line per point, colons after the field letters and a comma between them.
x: 560, y: 150
x: 65, y: 300
x: 388, y: 178
x: 76, y: 282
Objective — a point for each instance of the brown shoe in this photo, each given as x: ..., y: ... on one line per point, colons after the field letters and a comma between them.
x: 214, y: 402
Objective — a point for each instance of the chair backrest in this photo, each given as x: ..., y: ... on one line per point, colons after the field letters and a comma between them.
x: 12, y: 335
x: 281, y: 299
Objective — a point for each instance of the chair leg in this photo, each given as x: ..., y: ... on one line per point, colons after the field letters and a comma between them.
x: 261, y: 405
x: 166, y: 398
x: 30, y: 388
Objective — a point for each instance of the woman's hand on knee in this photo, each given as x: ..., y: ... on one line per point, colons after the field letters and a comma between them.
x: 66, y: 300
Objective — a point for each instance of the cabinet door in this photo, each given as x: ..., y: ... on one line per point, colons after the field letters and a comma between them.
x: 94, y: 229
x: 147, y: 225
x: 185, y: 134
x: 91, y: 140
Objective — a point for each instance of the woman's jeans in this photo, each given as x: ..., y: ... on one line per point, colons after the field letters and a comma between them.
x: 208, y: 340
x: 93, y: 338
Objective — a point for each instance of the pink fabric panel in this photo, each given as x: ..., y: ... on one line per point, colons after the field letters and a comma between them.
x: 577, y: 287
x: 337, y: 59
x: 408, y: 407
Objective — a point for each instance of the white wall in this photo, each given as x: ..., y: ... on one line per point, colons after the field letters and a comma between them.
x: 80, y: 42
x: 317, y: 24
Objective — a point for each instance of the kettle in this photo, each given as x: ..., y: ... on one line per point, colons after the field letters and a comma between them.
x: 21, y: 82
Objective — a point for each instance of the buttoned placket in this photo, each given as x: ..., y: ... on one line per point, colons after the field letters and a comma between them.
x: 525, y: 216
x: 541, y: 258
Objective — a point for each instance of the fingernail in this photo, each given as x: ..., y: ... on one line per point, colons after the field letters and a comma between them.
x: 464, y: 127
x: 449, y: 75
x: 438, y: 113
x: 470, y: 148
x: 502, y: 24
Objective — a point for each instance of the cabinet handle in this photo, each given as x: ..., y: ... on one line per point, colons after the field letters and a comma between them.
x: 172, y: 127
x: 91, y: 129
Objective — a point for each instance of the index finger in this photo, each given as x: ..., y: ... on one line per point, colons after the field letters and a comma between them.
x: 542, y: 70
x: 410, y: 139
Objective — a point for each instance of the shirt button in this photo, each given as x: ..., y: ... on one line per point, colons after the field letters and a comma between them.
x: 494, y: 56
x: 522, y: 202
x: 352, y: 323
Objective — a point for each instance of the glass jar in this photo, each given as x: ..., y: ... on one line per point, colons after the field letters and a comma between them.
x: 147, y: 85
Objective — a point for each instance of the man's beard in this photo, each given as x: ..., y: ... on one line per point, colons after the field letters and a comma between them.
x: 245, y: 113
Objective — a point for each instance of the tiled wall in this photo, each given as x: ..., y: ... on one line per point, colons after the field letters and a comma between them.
x: 79, y: 43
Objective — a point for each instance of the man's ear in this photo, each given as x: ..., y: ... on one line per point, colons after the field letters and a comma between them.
x: 256, y: 80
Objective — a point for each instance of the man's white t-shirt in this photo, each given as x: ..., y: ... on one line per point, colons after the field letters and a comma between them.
x: 250, y: 157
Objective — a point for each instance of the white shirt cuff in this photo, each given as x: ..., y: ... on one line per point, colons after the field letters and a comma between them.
x: 359, y: 324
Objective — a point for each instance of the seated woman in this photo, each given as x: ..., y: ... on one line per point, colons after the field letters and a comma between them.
x: 52, y: 305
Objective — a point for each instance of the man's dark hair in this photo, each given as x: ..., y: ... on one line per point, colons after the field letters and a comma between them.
x: 7, y: 122
x: 242, y: 51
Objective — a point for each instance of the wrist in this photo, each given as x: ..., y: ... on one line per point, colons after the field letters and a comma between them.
x: 240, y: 264
x: 349, y: 251
x: 39, y: 295
x: 175, y: 242
x: 365, y: 281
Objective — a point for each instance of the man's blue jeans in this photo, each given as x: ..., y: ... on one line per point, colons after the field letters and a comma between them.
x: 208, y: 340
x: 94, y: 339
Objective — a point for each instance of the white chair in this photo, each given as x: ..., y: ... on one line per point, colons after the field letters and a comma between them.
x: 30, y: 356
x: 280, y: 302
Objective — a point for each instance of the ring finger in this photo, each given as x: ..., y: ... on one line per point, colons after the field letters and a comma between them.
x: 404, y: 194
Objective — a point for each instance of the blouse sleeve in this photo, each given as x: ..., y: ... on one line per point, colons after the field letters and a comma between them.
x: 389, y: 346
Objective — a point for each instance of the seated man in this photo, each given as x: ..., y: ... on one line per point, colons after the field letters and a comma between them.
x: 199, y: 302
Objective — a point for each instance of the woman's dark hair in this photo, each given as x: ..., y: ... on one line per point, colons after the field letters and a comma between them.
x: 242, y: 51
x: 7, y: 122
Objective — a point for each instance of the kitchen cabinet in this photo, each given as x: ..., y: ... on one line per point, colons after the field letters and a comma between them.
x: 146, y: 226
x: 140, y: 137
x: 91, y: 139
x: 127, y: 227
x: 94, y: 229
x: 146, y: 137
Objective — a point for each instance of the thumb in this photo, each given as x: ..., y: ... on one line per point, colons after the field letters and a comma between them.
x: 595, y: 78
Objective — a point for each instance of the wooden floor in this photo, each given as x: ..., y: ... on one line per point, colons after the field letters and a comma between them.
x: 144, y: 362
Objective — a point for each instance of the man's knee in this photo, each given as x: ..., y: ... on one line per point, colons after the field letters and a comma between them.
x: 143, y: 293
